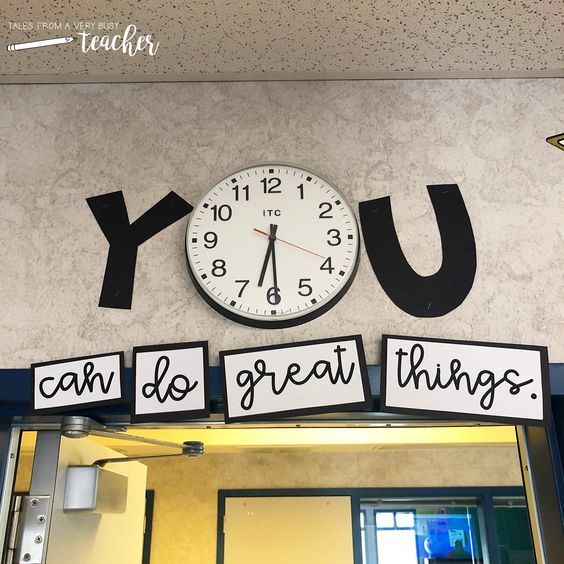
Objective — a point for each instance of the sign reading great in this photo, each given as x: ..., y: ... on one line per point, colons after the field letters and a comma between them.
x: 310, y: 377
x: 466, y: 380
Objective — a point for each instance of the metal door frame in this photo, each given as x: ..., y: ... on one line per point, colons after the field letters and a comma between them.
x: 9, y: 449
x: 532, y: 442
x: 542, y: 499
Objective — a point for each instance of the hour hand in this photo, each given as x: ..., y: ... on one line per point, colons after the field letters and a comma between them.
x: 265, y: 264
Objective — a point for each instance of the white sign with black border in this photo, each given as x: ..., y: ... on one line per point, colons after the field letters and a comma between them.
x: 74, y: 383
x: 170, y: 382
x: 310, y: 377
x: 465, y: 379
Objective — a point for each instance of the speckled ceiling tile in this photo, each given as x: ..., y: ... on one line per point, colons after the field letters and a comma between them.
x: 223, y: 39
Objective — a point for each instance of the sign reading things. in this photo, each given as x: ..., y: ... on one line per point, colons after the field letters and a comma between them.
x: 466, y: 380
x: 295, y: 379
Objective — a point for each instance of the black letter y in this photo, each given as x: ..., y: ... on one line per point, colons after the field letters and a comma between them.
x: 124, y: 239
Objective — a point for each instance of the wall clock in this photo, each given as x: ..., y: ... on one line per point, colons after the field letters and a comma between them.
x: 272, y: 245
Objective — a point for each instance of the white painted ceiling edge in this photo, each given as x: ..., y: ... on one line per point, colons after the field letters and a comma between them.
x: 255, y: 40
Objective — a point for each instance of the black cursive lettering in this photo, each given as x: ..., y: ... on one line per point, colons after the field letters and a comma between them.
x: 178, y: 388
x: 71, y: 380
x: 250, y: 379
x: 485, y: 380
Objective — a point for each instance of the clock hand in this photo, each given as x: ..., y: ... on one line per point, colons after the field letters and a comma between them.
x: 266, y: 256
x: 273, y: 229
x: 288, y: 243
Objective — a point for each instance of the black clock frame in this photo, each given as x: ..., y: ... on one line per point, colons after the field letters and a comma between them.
x: 276, y: 323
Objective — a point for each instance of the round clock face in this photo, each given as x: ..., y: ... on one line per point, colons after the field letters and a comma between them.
x: 272, y: 246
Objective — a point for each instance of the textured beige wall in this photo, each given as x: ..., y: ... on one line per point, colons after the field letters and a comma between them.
x: 185, y: 520
x: 61, y: 144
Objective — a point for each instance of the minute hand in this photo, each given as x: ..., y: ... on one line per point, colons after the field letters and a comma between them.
x: 288, y: 243
x: 269, y: 251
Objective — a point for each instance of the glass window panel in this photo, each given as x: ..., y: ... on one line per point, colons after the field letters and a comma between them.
x: 385, y: 520
x: 513, y: 531
x: 405, y: 520
x: 396, y: 545
x: 443, y: 529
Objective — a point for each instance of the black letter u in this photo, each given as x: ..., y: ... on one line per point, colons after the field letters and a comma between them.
x: 422, y: 296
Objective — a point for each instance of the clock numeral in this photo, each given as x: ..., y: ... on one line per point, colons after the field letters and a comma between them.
x: 269, y: 185
x: 219, y: 269
x: 307, y: 289
x: 244, y: 192
x: 335, y: 235
x: 223, y: 213
x: 273, y: 296
x: 325, y: 208
x: 327, y: 266
x: 210, y: 239
x: 244, y: 282
x: 301, y: 189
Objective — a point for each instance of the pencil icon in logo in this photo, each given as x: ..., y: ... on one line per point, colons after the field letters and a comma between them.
x: 42, y: 43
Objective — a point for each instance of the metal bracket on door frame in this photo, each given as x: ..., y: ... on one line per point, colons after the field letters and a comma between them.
x: 31, y: 514
x: 189, y: 448
x: 78, y: 427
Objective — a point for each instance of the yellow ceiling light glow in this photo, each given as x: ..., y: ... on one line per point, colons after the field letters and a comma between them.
x: 327, y: 438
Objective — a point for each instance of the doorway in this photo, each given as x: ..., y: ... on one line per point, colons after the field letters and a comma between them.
x: 365, y: 459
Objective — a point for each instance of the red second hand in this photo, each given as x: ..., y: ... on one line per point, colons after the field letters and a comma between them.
x: 288, y: 243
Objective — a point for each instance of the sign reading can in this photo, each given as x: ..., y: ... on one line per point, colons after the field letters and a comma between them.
x: 86, y: 381
x: 466, y: 380
x: 295, y: 379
